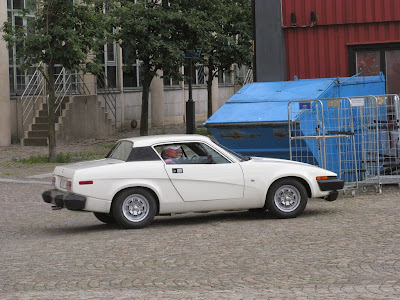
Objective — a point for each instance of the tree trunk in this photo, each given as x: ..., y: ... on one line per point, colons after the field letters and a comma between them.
x: 144, y: 117
x: 51, y: 117
x: 210, y: 78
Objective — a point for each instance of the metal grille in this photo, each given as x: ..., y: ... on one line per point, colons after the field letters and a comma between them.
x: 355, y: 137
x: 388, y: 124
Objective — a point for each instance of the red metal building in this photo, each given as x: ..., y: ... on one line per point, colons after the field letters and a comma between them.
x: 329, y: 38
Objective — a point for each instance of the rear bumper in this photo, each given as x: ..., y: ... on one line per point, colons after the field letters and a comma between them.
x: 333, y: 184
x: 64, y: 200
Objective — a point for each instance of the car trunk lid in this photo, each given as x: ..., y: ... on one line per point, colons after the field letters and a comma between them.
x: 69, y: 170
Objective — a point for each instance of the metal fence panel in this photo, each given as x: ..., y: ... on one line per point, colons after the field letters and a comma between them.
x: 355, y: 137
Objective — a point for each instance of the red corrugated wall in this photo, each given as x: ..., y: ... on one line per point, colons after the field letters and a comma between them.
x: 320, y: 51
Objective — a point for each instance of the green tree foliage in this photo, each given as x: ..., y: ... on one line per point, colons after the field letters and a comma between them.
x: 156, y: 34
x: 223, y: 32
x: 59, y: 32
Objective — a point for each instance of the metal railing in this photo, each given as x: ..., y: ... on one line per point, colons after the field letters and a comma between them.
x: 32, y: 93
x: 249, y: 77
x: 355, y: 137
x: 68, y: 83
x: 109, y: 96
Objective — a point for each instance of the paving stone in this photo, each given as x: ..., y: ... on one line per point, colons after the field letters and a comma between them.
x: 347, y: 249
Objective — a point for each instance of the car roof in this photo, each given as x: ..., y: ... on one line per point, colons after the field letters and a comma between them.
x: 143, y: 141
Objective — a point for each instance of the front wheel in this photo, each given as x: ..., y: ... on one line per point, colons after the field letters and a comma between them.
x: 286, y: 198
x: 134, y: 208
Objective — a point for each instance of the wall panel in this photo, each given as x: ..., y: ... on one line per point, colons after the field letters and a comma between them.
x: 322, y: 51
x: 329, y: 12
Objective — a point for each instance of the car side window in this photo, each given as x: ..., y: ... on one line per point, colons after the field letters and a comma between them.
x: 217, y: 158
x: 190, y: 153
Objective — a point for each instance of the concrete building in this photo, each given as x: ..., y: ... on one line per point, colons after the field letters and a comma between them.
x: 167, y: 98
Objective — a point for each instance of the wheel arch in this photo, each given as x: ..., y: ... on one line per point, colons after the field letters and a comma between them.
x: 154, y: 194
x: 301, y: 180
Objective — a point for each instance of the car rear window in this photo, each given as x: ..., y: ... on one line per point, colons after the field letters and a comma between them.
x: 124, y: 150
x: 143, y: 154
x: 121, y: 150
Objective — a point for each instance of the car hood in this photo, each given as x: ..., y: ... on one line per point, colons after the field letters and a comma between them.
x: 69, y: 170
x: 281, y: 161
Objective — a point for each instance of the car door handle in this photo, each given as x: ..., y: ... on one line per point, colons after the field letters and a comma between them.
x: 177, y: 170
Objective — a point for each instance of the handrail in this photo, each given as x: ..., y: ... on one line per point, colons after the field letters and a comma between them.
x: 249, y: 77
x: 109, y: 96
x: 32, y: 93
x: 63, y: 83
x: 67, y: 89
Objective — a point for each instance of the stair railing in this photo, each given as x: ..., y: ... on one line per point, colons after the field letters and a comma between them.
x: 32, y: 93
x: 108, y: 95
x: 249, y: 77
x: 64, y: 87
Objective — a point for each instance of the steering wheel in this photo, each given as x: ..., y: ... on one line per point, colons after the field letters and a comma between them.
x: 208, y: 160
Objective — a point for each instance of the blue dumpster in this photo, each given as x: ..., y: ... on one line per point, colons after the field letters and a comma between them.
x: 254, y: 121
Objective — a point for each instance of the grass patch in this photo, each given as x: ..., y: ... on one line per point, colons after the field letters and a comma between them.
x: 44, y: 159
x: 102, y: 147
x: 96, y: 152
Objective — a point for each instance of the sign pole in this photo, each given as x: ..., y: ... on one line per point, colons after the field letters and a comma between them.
x: 190, y: 108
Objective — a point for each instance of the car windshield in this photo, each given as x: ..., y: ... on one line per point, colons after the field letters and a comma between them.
x: 238, y: 156
x: 121, y: 150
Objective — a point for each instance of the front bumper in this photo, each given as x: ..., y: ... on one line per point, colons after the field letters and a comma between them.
x: 64, y: 199
x: 331, y: 184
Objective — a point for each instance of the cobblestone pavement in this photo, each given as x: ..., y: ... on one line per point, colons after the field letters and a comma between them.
x: 346, y: 249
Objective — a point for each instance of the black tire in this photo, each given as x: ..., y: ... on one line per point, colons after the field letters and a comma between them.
x: 105, y: 218
x: 257, y: 211
x: 134, y: 208
x: 286, y: 198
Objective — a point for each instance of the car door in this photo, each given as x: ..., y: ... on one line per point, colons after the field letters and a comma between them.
x: 203, y: 174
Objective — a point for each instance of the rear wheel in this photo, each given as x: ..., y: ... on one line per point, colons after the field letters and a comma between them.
x: 105, y: 218
x: 134, y: 208
x: 287, y: 198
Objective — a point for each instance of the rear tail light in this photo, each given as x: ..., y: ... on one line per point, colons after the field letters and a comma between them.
x: 53, y: 181
x: 69, y: 185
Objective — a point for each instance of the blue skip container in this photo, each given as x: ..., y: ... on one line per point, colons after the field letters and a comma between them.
x: 254, y: 121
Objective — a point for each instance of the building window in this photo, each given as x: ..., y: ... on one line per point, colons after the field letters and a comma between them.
x: 108, y: 59
x: 18, y: 79
x: 198, y: 75
x: 368, y: 63
x: 131, y: 77
x: 224, y: 78
x: 370, y: 60
x: 393, y: 71
x: 168, y: 80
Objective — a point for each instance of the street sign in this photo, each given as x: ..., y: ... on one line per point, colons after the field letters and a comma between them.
x: 192, y: 53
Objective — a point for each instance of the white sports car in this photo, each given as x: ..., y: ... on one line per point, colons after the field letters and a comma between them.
x: 138, y: 180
